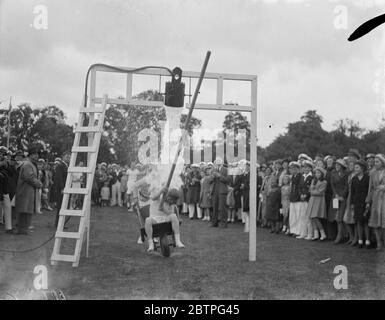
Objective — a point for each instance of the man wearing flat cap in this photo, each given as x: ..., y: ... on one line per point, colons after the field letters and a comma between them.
x: 353, y: 155
x: 27, y: 186
x: 59, y: 181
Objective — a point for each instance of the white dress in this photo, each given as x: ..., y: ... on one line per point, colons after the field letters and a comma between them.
x: 132, y: 175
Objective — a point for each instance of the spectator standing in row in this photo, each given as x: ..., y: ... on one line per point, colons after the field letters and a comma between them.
x: 59, y: 181
x: 27, y: 185
x: 219, y: 194
x: 5, y: 200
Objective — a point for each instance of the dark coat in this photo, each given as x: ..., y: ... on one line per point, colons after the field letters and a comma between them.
x: 59, y: 179
x: 193, y: 187
x: 235, y: 183
x: 305, y: 190
x: 4, y: 181
x: 220, y: 183
x: 359, y: 192
x: 273, y: 203
x: 296, y: 187
x: 246, y: 191
x: 26, y: 188
x: 340, y: 187
x: 329, y: 191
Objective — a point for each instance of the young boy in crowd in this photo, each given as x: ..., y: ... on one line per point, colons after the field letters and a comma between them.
x: 105, y: 194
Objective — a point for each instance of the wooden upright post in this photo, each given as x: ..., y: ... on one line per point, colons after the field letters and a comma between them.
x: 253, y: 175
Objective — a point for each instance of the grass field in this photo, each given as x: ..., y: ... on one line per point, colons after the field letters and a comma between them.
x: 214, y: 264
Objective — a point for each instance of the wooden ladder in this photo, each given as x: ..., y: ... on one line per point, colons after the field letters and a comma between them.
x: 94, y: 132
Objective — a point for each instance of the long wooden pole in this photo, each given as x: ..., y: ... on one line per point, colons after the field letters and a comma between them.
x: 202, y: 74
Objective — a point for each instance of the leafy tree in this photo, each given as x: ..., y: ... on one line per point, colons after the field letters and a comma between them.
x: 123, y: 123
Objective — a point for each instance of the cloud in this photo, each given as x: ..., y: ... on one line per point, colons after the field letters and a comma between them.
x: 301, y: 60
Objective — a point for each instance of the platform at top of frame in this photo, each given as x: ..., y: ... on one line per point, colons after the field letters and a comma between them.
x: 186, y: 74
x: 220, y: 77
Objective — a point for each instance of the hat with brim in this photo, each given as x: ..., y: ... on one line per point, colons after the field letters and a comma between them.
x: 3, y: 150
x: 194, y: 165
x: 19, y: 153
x: 370, y: 156
x: 308, y: 163
x: 218, y: 161
x: 342, y: 163
x: 354, y: 152
x: 327, y: 158
x: 33, y: 150
x: 381, y: 157
x: 304, y: 157
x: 294, y: 164
x: 362, y: 164
x: 322, y: 170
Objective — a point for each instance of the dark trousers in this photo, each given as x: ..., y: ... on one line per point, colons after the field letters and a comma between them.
x: 219, y: 209
x: 58, y: 204
x: 24, y: 220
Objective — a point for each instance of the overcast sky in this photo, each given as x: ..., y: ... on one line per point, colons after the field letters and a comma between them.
x: 302, y: 60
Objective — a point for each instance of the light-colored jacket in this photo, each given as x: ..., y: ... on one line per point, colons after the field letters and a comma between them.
x: 26, y: 188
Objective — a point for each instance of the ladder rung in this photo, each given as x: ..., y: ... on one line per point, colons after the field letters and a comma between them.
x: 87, y: 129
x: 91, y: 110
x: 80, y: 170
x: 72, y: 213
x: 69, y: 235
x: 63, y: 257
x: 84, y: 149
x: 76, y: 190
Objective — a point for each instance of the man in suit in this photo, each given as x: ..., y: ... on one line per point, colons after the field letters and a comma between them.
x: 219, y: 194
x: 59, y: 181
x: 27, y: 184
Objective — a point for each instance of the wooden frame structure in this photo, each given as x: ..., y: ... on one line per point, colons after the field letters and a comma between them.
x: 219, y: 106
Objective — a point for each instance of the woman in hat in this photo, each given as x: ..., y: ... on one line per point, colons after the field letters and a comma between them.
x: 264, y: 189
x: 285, y: 202
x: 359, y: 191
x: 376, y: 199
x: 370, y: 161
x: 339, y: 184
x: 306, y: 226
x: 331, y: 228
x: 193, y: 191
x: 349, y: 214
x: 285, y: 170
x: 205, y: 196
x: 273, y: 204
x: 316, y: 209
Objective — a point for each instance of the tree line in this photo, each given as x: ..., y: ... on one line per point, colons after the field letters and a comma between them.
x: 308, y: 136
